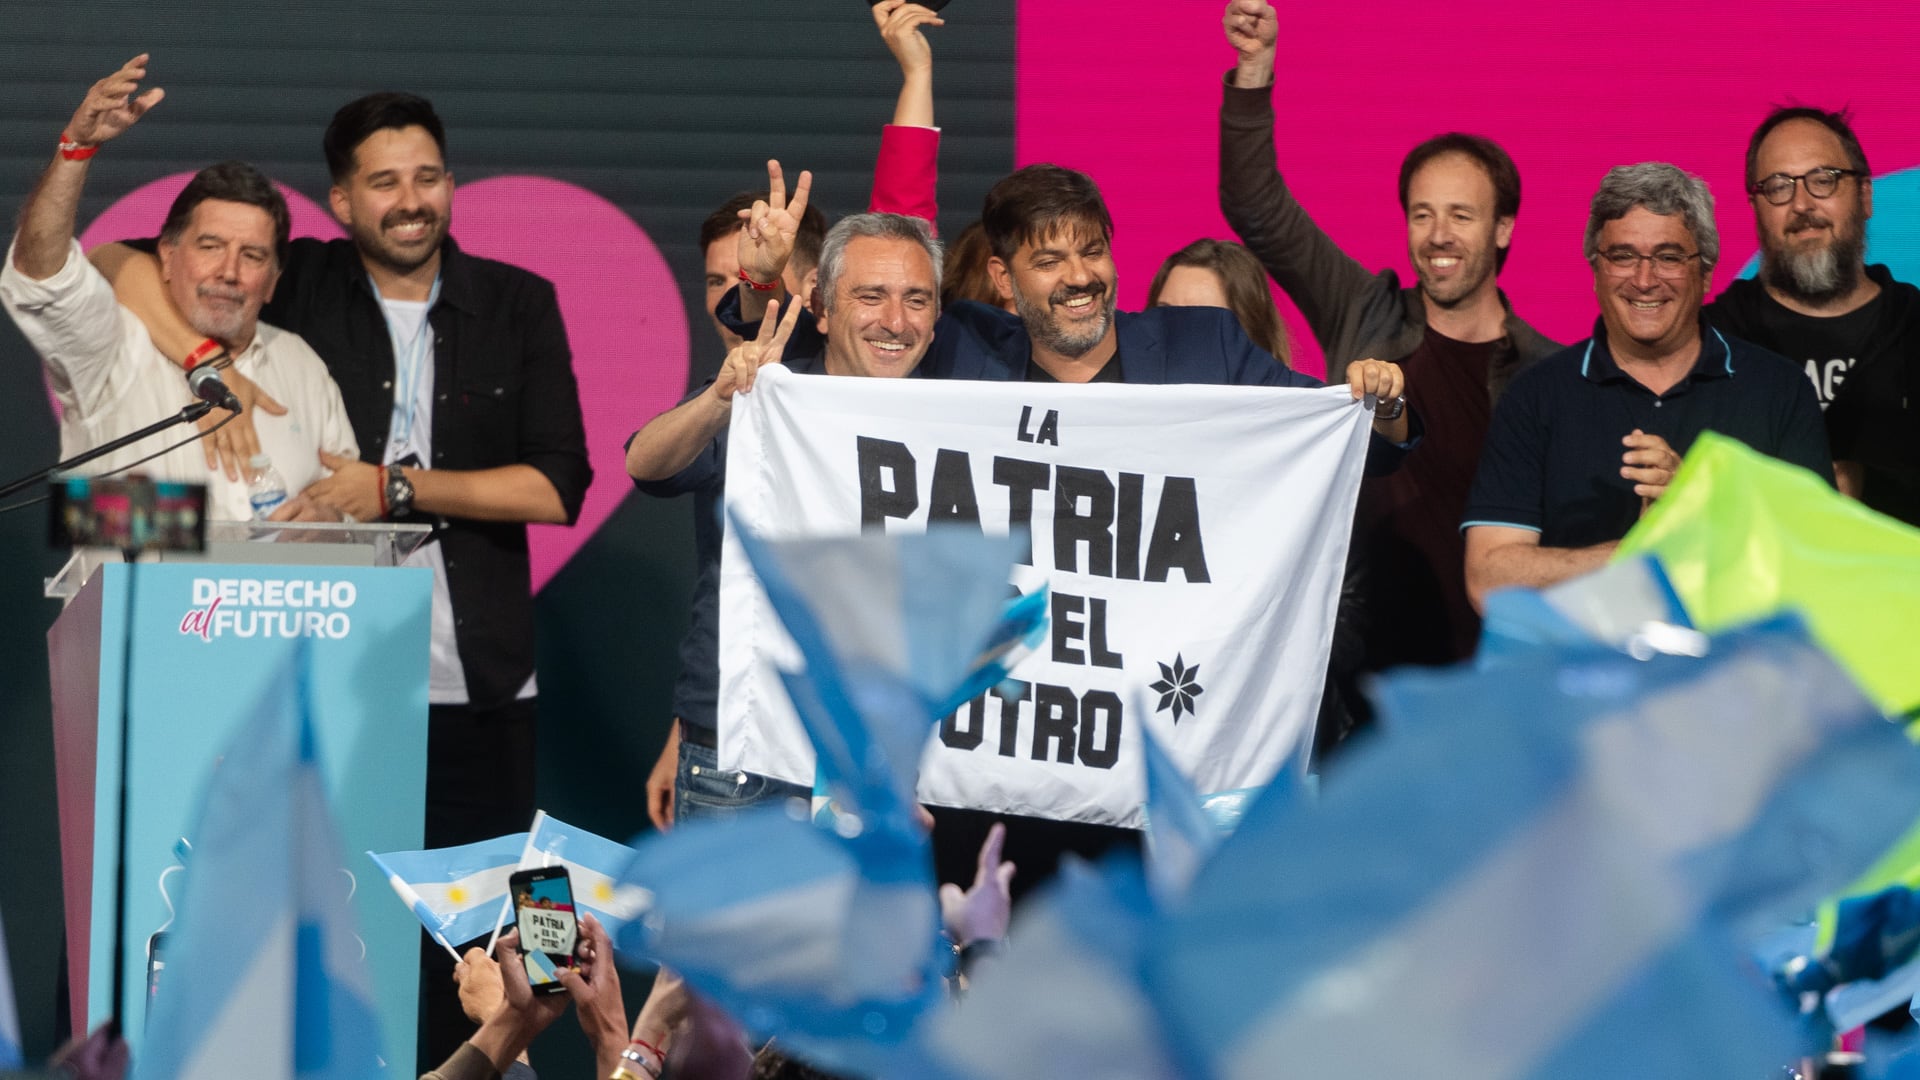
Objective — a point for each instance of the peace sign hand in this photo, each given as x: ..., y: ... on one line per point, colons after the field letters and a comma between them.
x: 745, y: 361
x: 766, y: 243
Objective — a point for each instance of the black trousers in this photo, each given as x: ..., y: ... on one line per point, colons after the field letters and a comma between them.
x: 479, y: 786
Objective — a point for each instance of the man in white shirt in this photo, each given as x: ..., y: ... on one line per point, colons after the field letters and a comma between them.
x: 221, y: 249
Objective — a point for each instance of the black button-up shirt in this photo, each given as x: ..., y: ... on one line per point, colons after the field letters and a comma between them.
x: 504, y: 394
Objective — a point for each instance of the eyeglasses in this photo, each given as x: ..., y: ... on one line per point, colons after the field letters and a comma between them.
x: 1621, y: 262
x: 1822, y: 182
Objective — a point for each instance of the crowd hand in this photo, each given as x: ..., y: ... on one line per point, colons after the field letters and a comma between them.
x: 99, y: 1055
x: 354, y: 489
x: 481, y: 988
x: 900, y: 23
x: 521, y: 1013
x: 745, y: 361
x: 982, y: 912
x: 112, y: 106
x: 1253, y: 29
x: 1650, y: 463
x: 766, y: 243
x: 595, y: 987
x: 233, y: 445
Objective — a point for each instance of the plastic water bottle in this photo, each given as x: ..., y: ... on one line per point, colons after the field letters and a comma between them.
x: 266, y: 491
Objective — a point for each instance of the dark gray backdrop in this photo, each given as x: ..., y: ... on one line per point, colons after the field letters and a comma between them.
x: 663, y: 108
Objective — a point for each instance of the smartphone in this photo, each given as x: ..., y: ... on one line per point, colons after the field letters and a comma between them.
x: 156, y: 963
x: 543, y: 910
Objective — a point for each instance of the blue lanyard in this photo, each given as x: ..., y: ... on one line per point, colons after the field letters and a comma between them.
x: 410, y: 358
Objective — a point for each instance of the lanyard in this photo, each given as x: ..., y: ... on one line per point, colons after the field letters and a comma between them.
x: 410, y: 358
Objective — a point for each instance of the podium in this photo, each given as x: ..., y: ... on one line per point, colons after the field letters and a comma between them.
x: 189, y: 647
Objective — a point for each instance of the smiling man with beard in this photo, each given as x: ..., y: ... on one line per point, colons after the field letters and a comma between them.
x: 1587, y: 439
x: 1817, y: 301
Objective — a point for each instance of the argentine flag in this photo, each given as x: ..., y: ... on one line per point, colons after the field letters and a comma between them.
x: 455, y: 892
x: 266, y: 979
x: 460, y: 893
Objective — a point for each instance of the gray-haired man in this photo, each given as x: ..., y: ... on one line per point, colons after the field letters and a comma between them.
x: 1589, y: 437
x: 879, y: 281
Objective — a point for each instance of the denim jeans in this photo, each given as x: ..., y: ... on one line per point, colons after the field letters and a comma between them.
x: 701, y: 788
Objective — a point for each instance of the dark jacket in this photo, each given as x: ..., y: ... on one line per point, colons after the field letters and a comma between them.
x: 1354, y: 314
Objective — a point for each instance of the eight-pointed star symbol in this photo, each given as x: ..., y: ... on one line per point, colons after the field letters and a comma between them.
x: 1178, y: 686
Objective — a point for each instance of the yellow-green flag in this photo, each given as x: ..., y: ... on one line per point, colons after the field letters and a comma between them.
x: 1742, y: 536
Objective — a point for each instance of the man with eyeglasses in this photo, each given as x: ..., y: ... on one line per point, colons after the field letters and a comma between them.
x: 1816, y: 301
x: 1586, y: 439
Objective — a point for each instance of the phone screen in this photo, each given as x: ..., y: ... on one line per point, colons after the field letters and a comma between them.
x: 543, y: 910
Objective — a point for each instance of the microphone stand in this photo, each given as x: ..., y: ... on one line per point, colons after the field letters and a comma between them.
x: 185, y: 416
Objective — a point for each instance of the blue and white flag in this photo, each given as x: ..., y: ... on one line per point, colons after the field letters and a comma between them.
x: 265, y: 977
x: 594, y: 867
x: 1612, y: 607
x: 9, y: 1016
x: 1068, y: 999
x: 1542, y: 871
x: 455, y: 892
x: 1180, y: 836
x: 827, y: 939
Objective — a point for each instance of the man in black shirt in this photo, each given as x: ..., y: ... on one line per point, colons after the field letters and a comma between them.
x: 1816, y: 301
x: 1587, y: 438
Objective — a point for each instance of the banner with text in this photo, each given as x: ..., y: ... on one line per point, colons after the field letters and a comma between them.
x: 1193, y: 539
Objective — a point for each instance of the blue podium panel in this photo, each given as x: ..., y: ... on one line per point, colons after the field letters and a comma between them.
x: 204, y: 640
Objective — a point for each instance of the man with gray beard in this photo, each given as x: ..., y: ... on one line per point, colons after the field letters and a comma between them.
x: 1816, y: 301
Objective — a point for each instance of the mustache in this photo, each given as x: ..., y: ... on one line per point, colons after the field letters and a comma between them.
x: 1063, y: 294
x: 1803, y: 222
x: 408, y: 217
x: 216, y: 292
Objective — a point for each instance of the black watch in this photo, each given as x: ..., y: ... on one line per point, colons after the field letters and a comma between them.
x: 399, y: 492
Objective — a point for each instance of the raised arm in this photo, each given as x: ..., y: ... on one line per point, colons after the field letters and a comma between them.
x: 765, y: 245
x: 1333, y: 290
x: 907, y: 172
x: 45, y: 237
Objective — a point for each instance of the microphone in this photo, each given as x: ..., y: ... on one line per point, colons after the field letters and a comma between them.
x: 206, y: 385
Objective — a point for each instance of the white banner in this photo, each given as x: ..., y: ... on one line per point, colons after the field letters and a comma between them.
x: 1194, y: 539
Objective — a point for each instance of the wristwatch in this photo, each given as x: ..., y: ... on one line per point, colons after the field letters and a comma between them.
x: 1394, y: 409
x: 399, y: 492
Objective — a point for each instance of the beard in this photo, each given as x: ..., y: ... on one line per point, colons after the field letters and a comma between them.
x: 1815, y: 276
x: 374, y: 244
x: 1046, y: 329
x: 221, y: 321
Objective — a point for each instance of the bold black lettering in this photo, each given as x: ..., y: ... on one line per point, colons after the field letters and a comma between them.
x: 1097, y: 652
x: 1072, y: 528
x: 959, y: 737
x: 1100, y: 755
x: 1010, y: 713
x: 1021, y: 479
x: 880, y: 460
x: 1049, y: 429
x: 953, y: 498
x: 1176, y: 542
x: 1126, y: 528
x: 1021, y: 433
x: 1055, y: 714
x: 1067, y: 629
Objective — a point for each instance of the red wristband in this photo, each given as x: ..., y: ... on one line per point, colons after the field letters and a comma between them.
x: 756, y: 286
x: 380, y: 486
x: 201, y: 352
x: 73, y: 151
x: 652, y: 1049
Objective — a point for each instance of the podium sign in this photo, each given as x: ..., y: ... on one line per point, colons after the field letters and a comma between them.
x: 197, y: 644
